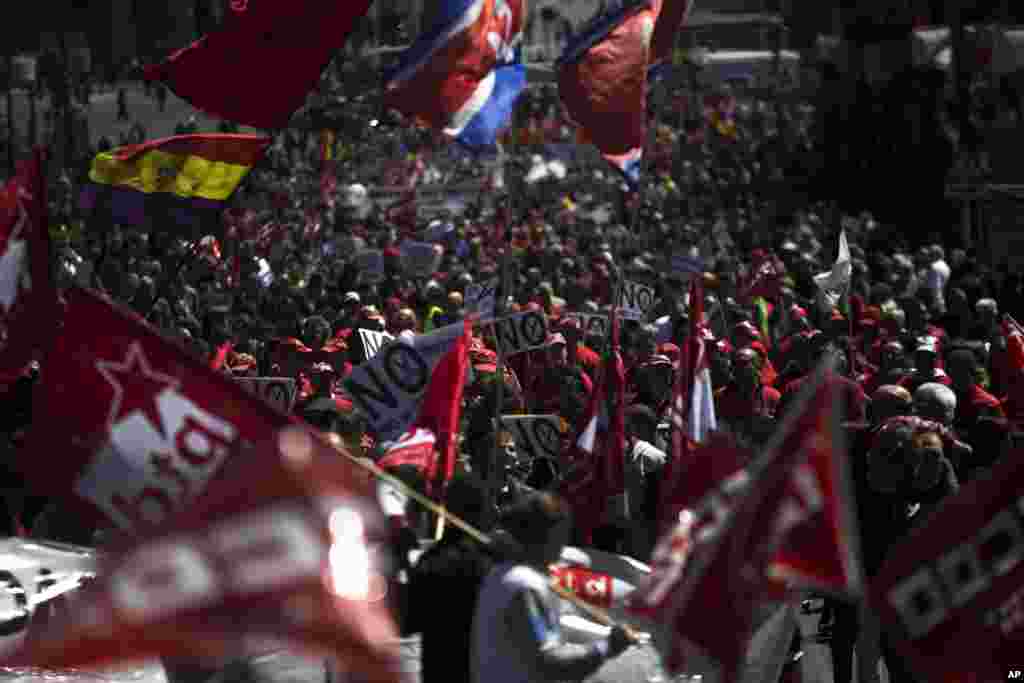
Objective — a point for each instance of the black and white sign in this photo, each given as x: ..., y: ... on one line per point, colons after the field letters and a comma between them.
x: 593, y: 324
x: 279, y: 391
x: 387, y: 388
x: 371, y: 342
x: 420, y: 259
x: 521, y: 332
x: 636, y: 300
x: 481, y: 298
x: 687, y: 265
x: 370, y: 264
x: 539, y: 435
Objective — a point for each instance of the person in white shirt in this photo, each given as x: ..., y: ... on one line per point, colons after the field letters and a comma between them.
x: 517, y: 635
x: 937, y: 277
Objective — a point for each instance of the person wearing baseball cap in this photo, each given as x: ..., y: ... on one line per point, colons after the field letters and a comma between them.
x: 579, y: 353
x: 926, y: 366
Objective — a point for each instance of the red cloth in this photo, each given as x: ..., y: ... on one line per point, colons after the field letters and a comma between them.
x: 975, y: 404
x: 441, y: 406
x: 29, y: 317
x: 259, y: 68
x: 730, y: 404
x: 604, y: 90
x: 168, y: 414
x: 854, y: 398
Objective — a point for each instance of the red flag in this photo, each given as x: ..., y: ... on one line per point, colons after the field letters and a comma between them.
x: 602, y: 79
x: 598, y: 449
x: 259, y: 68
x: 736, y: 542
x: 441, y: 406
x: 615, y: 405
x: 221, y: 357
x: 144, y: 426
x: 28, y: 300
x: 950, y: 592
x: 684, y: 431
x: 671, y: 18
x: 284, y: 547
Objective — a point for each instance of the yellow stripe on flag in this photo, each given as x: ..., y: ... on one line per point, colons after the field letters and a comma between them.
x: 159, y: 172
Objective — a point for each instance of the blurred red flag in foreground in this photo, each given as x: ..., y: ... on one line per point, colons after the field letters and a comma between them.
x: 282, y: 547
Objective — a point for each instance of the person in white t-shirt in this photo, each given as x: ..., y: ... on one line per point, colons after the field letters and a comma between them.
x: 517, y: 636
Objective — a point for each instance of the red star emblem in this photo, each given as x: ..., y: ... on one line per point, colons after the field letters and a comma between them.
x: 136, y: 386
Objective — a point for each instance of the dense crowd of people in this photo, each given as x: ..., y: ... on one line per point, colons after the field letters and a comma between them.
x: 932, y: 389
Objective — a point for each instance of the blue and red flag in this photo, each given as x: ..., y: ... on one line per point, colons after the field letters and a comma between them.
x: 602, y: 78
x: 463, y: 76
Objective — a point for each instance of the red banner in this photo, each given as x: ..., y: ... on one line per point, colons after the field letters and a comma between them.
x: 284, y: 547
x: 130, y: 422
x: 953, y: 592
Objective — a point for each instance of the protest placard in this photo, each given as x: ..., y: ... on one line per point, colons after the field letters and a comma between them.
x: 636, y: 300
x: 388, y: 387
x: 370, y: 343
x: 279, y: 391
x: 370, y: 265
x: 521, y: 332
x: 481, y: 298
x: 419, y: 259
x: 539, y: 435
x: 592, y: 324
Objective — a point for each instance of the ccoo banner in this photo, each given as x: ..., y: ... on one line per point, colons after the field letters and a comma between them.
x: 521, y: 332
x: 278, y: 391
x: 540, y: 435
x: 636, y: 300
x: 953, y: 593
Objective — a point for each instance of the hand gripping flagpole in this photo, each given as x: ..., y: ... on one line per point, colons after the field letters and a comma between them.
x: 598, y: 614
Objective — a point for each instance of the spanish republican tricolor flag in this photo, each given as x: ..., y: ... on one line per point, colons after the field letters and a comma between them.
x: 326, y: 146
x: 186, y: 179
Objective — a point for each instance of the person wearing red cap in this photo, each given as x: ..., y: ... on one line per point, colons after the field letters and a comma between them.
x: 745, y: 397
x: 926, y: 367
x: 579, y: 353
x: 745, y: 335
x: 562, y: 387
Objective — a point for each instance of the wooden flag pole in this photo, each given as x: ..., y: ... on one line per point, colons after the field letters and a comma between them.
x: 597, y: 613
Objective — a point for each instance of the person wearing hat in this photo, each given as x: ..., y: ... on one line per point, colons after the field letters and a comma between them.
x: 745, y: 397
x: 972, y: 402
x: 562, y: 388
x: 433, y: 301
x: 926, y: 368
x: 889, y: 401
x: 892, y: 367
x: 579, y: 353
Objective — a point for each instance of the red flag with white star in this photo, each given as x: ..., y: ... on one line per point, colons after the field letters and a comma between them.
x: 130, y: 422
x: 28, y: 313
x: 288, y: 546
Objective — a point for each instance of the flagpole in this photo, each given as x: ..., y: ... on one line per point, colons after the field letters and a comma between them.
x: 494, y: 475
x: 597, y: 613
